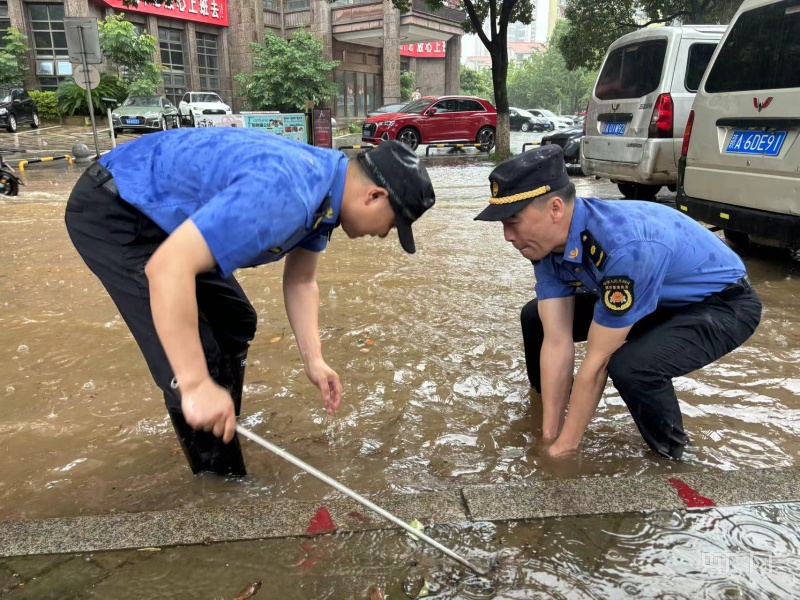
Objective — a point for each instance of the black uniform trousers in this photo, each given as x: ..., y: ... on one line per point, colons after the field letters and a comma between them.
x: 669, y: 342
x: 116, y: 240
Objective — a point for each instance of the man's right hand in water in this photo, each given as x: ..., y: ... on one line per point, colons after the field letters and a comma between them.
x: 208, y: 406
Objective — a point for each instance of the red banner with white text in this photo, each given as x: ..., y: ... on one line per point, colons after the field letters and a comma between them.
x: 213, y: 12
x: 424, y: 49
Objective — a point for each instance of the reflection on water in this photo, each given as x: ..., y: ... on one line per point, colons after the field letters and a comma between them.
x: 744, y: 552
x: 437, y: 400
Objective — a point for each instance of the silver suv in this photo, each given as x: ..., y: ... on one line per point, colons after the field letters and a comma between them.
x: 640, y: 103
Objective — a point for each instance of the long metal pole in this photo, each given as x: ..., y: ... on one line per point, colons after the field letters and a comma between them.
x: 89, y: 94
x: 355, y: 496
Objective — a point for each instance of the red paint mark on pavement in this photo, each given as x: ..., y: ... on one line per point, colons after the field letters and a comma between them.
x: 690, y: 496
x: 357, y: 516
x: 321, y: 522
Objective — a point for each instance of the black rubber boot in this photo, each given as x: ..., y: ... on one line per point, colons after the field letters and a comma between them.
x: 204, y: 451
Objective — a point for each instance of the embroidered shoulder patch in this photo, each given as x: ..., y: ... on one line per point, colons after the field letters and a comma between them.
x: 618, y: 294
x: 593, y: 250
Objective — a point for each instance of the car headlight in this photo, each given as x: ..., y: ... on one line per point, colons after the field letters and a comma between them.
x: 152, y: 115
x: 114, y: 115
x: 385, y: 123
x: 3, y: 111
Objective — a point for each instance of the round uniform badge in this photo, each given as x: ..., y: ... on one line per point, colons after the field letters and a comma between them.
x: 495, y: 189
x: 618, y: 294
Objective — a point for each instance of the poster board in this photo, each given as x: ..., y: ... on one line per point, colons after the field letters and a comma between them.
x: 323, y: 129
x: 288, y: 125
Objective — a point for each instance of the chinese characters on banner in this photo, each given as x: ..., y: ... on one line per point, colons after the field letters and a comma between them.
x: 213, y: 12
x: 424, y: 49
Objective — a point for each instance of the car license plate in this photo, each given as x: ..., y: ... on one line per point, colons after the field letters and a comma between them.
x: 613, y: 128
x: 756, y: 142
x: 132, y: 121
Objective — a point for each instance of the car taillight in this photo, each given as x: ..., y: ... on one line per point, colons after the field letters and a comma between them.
x: 661, y: 122
x: 687, y: 134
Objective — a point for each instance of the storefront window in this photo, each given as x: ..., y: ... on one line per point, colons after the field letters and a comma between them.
x: 5, y: 22
x: 338, y: 104
x: 50, y: 44
x: 298, y: 5
x: 357, y: 94
x: 170, y: 42
x: 208, y: 61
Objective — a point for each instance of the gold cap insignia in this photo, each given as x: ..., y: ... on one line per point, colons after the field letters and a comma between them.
x: 573, y: 253
x: 495, y: 189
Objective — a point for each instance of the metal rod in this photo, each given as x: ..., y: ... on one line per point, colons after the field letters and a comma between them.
x: 355, y: 496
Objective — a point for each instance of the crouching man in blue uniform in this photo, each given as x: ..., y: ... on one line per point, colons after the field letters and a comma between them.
x: 165, y: 220
x: 654, y: 293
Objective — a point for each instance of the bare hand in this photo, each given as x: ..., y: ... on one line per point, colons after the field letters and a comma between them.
x: 208, y: 406
x: 326, y: 379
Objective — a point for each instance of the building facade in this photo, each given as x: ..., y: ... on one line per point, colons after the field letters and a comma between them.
x: 204, y: 43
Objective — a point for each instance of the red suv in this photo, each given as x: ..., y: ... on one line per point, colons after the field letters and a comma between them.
x: 435, y: 119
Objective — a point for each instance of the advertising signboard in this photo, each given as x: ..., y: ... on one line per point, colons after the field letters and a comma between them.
x: 288, y: 125
x: 323, y: 130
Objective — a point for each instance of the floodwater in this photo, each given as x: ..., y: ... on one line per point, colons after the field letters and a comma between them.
x: 427, y: 346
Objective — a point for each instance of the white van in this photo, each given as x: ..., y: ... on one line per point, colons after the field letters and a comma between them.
x: 640, y: 104
x: 740, y: 168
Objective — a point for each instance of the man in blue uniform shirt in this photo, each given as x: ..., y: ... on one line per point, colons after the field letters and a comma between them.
x: 654, y: 293
x: 165, y: 220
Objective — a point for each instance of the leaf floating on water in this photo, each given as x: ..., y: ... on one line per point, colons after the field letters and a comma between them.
x: 418, y: 526
x: 149, y: 549
x: 248, y: 592
x: 370, y: 342
x: 376, y: 593
x: 364, y: 350
x: 425, y: 591
x: 277, y: 338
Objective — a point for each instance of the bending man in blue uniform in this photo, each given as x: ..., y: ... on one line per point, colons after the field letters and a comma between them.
x: 165, y: 220
x: 654, y: 293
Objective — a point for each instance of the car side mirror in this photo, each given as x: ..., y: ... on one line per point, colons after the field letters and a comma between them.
x: 431, y: 111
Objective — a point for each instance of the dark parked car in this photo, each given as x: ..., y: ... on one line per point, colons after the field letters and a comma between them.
x: 520, y: 120
x: 432, y: 119
x: 386, y: 108
x: 570, y: 141
x: 16, y: 108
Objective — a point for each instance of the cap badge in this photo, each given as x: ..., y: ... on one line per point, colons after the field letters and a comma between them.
x: 573, y: 253
x: 495, y: 189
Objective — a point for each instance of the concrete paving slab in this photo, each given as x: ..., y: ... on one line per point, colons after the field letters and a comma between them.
x: 596, y: 495
x: 747, y: 486
x: 29, y: 567
x: 65, y: 581
x: 7, y: 580
x: 280, y: 518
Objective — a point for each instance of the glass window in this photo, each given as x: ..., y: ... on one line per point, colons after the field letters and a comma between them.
x: 470, y: 106
x: 360, y: 99
x: 632, y: 71
x: 370, y: 93
x: 696, y: 64
x: 378, y: 79
x: 5, y: 22
x: 338, y: 103
x: 49, y: 44
x: 760, y: 52
x: 298, y: 4
x: 270, y: 5
x: 208, y: 61
x: 446, y: 106
x: 170, y: 43
x: 350, y: 80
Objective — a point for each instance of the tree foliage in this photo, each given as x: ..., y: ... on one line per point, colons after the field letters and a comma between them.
x: 72, y: 98
x: 477, y: 83
x: 46, y: 105
x: 130, y: 54
x: 594, y: 24
x: 286, y: 73
x: 13, y: 58
x: 406, y: 85
x: 543, y: 81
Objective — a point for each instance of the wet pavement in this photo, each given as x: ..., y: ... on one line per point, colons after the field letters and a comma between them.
x: 428, y: 350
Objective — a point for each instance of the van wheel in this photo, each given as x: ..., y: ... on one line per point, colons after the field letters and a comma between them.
x: 737, y: 238
x: 638, y: 191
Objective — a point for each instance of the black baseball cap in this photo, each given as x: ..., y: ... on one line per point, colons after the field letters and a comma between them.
x: 518, y: 181
x: 397, y: 168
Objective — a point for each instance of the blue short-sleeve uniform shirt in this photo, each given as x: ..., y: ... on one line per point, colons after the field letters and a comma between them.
x: 636, y: 257
x: 253, y: 195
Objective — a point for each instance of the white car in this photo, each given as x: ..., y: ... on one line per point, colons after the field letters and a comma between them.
x: 194, y: 105
x: 556, y: 122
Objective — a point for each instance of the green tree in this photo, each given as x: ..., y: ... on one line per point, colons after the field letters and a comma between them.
x: 477, y: 83
x: 286, y: 73
x: 594, y: 24
x: 543, y: 81
x: 130, y: 54
x: 13, y: 58
x: 72, y: 98
x: 406, y: 85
